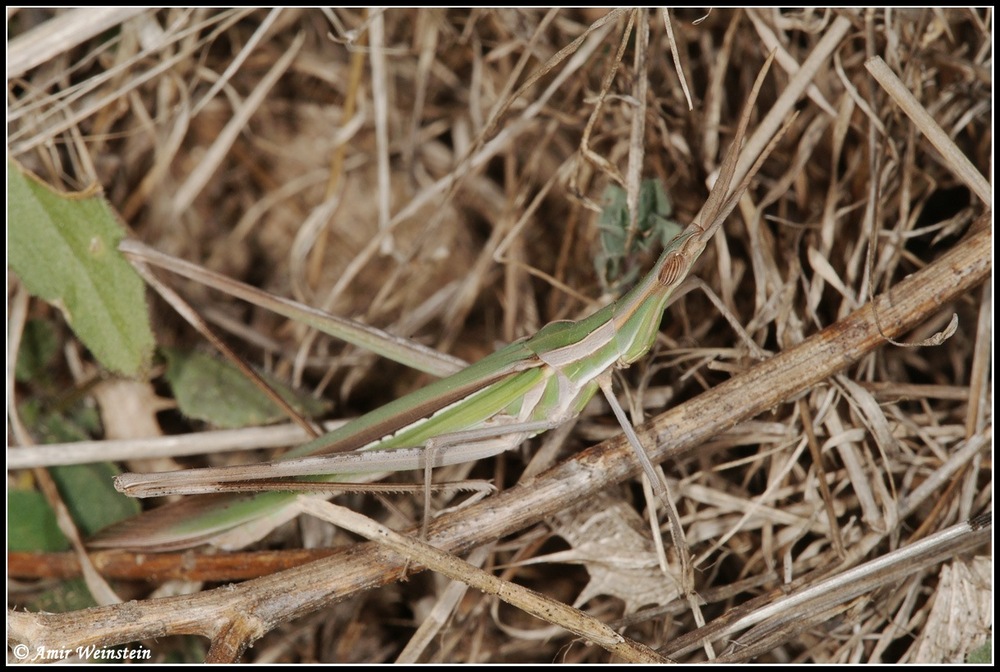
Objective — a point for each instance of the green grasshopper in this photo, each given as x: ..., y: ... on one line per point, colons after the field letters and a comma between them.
x: 493, y: 405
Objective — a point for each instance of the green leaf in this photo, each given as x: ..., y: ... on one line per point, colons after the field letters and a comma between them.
x: 31, y: 524
x: 89, y: 493
x: 981, y: 655
x: 655, y: 209
x: 66, y: 596
x: 214, y: 391
x: 80, y: 422
x: 652, y: 226
x: 64, y: 247
x: 86, y: 489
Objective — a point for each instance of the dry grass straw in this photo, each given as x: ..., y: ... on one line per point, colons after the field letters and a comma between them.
x: 439, y: 173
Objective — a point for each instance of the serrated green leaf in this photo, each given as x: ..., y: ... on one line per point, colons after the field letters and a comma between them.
x: 31, y: 524
x: 214, y: 391
x: 64, y: 247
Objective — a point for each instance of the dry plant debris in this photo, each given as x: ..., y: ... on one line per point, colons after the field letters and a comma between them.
x: 439, y: 173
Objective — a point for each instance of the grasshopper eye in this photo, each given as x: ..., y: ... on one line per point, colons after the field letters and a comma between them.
x: 672, y: 269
